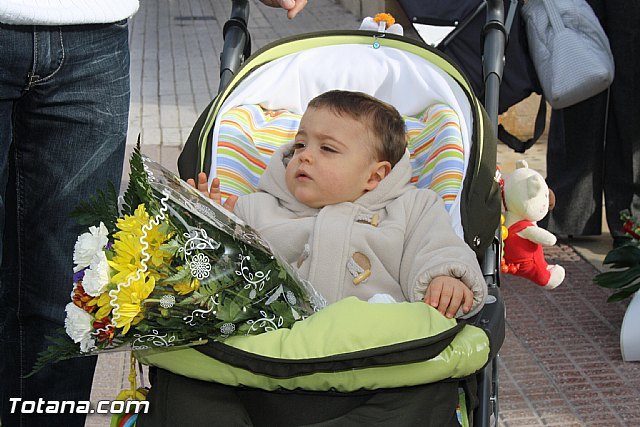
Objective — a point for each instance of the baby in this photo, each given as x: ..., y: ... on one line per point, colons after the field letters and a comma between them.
x: 339, y: 206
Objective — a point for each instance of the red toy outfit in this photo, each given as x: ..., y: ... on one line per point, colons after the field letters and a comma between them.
x: 527, y: 255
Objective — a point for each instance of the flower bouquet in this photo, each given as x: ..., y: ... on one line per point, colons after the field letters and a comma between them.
x: 171, y: 268
x: 624, y: 261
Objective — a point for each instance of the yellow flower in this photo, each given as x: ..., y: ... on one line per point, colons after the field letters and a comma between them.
x: 133, y: 223
x: 129, y: 300
x: 128, y: 246
x: 104, y: 302
x: 127, y: 263
x: 127, y: 257
x: 187, y: 286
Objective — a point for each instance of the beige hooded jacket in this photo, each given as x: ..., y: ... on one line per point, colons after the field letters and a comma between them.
x: 392, y: 240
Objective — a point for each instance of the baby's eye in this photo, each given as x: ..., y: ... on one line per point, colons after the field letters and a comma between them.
x: 298, y: 145
x: 329, y: 148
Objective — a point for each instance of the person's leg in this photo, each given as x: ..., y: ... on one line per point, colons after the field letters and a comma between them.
x: 69, y: 135
x: 16, y: 47
x: 574, y: 168
x: 575, y: 163
x: 622, y: 170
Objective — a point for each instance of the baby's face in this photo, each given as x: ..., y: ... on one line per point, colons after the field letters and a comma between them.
x: 333, y: 161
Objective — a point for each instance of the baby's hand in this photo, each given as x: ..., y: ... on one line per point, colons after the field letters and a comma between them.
x: 447, y: 294
x: 214, y: 192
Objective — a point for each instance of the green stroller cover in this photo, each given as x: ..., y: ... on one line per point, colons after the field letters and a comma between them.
x: 348, y: 346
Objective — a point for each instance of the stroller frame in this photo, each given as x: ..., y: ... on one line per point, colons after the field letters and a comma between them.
x: 237, y: 47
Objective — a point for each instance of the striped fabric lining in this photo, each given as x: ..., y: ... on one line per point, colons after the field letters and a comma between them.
x: 249, y: 135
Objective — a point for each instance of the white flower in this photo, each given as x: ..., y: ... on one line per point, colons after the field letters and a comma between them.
x: 79, y: 325
x: 96, y: 277
x: 88, y: 244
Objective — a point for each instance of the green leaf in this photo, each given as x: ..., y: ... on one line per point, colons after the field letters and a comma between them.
x: 623, y: 256
x: 61, y: 348
x: 171, y: 247
x: 199, y: 298
x: 208, y: 289
x: 180, y: 276
x: 229, y: 311
x: 618, y: 279
x: 626, y: 293
x: 282, y: 309
x: 101, y: 207
x: 138, y: 190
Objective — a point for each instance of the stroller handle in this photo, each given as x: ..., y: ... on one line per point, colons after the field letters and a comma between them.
x: 494, y: 35
x: 237, y: 42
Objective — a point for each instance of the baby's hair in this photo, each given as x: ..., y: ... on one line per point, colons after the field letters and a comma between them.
x: 383, y: 119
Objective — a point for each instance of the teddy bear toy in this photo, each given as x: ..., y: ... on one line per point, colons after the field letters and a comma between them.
x: 525, y: 201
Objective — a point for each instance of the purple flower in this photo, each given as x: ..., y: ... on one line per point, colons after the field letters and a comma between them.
x: 78, y: 276
x: 108, y: 246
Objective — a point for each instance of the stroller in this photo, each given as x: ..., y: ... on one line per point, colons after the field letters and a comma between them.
x: 323, y: 389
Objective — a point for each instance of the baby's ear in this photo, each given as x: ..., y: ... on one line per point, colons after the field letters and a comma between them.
x: 379, y: 171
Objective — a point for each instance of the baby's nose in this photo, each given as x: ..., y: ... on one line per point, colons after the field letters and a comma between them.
x: 306, y: 156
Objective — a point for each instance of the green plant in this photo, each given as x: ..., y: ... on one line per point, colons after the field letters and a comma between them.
x: 624, y: 262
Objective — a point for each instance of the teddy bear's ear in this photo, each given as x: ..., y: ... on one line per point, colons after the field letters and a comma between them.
x: 522, y: 164
x: 534, y: 185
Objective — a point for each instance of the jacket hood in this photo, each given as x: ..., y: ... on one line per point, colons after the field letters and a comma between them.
x: 273, y: 182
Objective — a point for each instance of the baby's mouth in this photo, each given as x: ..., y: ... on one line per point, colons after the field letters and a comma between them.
x: 302, y: 175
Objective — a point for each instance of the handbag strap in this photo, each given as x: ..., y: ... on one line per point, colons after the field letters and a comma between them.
x: 554, y: 15
x: 518, y: 145
x: 511, y: 14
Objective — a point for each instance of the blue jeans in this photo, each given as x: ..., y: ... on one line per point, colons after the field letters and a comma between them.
x: 64, y: 102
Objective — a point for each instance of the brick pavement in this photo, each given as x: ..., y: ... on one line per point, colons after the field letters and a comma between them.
x: 560, y: 364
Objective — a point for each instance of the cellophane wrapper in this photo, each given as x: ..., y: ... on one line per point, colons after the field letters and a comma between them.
x: 169, y: 267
